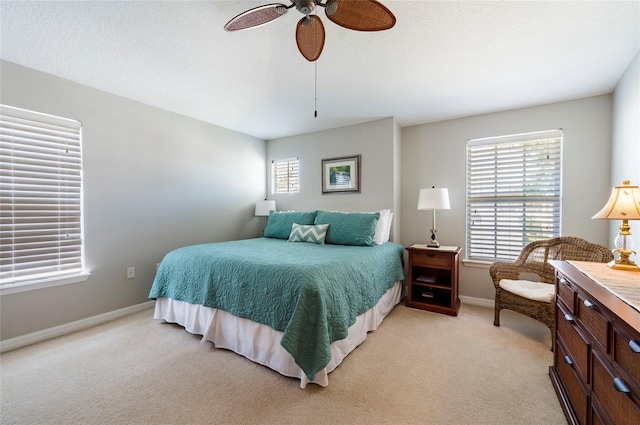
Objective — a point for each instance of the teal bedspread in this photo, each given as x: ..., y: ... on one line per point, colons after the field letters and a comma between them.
x: 312, y: 293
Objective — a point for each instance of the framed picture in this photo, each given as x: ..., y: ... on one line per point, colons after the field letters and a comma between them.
x: 341, y: 174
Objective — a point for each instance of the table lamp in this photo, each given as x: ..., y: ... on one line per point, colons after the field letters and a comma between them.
x: 623, y: 204
x: 433, y: 199
x: 263, y: 208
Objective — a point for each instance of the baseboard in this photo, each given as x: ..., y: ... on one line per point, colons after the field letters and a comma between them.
x: 482, y: 302
x: 67, y: 328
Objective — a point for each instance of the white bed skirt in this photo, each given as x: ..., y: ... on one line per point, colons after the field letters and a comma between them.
x: 260, y: 343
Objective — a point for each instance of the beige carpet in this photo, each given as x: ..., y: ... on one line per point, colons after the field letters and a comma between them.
x: 417, y: 368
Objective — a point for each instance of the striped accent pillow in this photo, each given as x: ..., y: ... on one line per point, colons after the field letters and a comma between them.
x: 308, y: 233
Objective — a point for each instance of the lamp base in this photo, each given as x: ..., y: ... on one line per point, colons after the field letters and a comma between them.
x: 433, y: 243
x: 624, y: 263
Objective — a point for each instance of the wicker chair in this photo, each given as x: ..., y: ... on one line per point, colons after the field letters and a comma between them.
x: 537, y: 299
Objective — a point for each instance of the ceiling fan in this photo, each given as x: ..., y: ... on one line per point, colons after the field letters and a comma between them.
x: 359, y: 15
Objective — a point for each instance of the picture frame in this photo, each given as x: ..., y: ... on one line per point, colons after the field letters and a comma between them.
x: 341, y: 175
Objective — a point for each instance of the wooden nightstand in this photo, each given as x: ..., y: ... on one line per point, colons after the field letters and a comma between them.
x: 433, y: 279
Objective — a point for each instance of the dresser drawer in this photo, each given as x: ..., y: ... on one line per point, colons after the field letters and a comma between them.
x: 574, y: 341
x: 626, y: 353
x: 621, y: 407
x: 596, y: 416
x: 566, y: 292
x: 595, y: 320
x: 578, y: 396
x: 432, y: 259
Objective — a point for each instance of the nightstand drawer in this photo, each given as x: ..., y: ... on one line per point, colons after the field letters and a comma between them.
x: 432, y: 259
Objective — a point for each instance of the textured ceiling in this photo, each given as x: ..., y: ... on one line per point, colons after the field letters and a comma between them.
x: 442, y: 59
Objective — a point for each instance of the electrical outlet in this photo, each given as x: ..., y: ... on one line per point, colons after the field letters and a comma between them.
x: 131, y: 272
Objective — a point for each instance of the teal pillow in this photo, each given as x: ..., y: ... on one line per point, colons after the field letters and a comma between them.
x: 308, y: 233
x: 349, y: 228
x: 280, y: 222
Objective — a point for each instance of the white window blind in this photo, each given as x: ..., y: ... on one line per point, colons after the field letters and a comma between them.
x: 513, y: 193
x: 284, y: 176
x: 41, y: 197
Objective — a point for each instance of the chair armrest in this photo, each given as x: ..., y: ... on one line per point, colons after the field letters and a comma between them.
x: 500, y: 270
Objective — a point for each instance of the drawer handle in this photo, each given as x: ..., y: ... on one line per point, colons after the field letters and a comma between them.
x: 634, y: 345
x: 569, y: 318
x: 568, y: 360
x: 620, y: 386
x: 431, y: 255
x: 564, y: 281
x: 589, y: 304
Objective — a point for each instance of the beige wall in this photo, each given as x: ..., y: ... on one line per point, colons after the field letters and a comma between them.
x: 153, y: 181
x: 434, y: 155
x: 625, y: 155
x: 376, y: 141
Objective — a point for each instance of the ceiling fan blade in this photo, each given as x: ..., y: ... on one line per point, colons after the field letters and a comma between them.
x: 360, y: 15
x: 310, y: 37
x: 257, y: 16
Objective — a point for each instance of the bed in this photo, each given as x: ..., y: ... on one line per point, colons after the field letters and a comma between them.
x: 298, y: 308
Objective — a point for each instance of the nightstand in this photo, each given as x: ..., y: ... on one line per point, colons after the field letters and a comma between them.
x: 433, y: 279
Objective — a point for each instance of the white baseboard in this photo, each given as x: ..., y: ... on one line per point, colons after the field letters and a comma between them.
x: 67, y: 328
x: 482, y: 302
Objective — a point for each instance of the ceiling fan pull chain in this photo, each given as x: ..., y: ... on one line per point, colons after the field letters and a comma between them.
x: 315, y: 101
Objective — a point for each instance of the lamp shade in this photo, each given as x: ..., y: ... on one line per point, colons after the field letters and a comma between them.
x: 434, y: 199
x: 623, y: 204
x: 264, y: 207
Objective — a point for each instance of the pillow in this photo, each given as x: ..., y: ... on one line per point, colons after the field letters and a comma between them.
x: 349, y: 228
x: 388, y: 230
x: 280, y: 222
x: 308, y: 233
x: 382, y: 228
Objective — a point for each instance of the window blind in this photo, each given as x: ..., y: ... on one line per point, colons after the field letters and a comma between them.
x: 285, y: 176
x: 514, y: 188
x: 41, y: 196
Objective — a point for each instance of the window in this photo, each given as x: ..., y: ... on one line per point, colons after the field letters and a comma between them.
x: 40, y: 197
x: 513, y: 193
x: 284, y: 176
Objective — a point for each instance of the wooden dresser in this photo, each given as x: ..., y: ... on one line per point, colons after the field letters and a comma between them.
x: 596, y: 364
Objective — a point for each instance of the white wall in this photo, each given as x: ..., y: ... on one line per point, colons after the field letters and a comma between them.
x: 434, y: 155
x: 376, y: 141
x: 153, y: 181
x: 625, y: 155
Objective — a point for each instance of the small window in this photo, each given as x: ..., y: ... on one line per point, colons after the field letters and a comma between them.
x: 284, y: 176
x: 41, y: 197
x: 513, y: 193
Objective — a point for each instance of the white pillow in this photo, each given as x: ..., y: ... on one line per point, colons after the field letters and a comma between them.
x: 382, y: 228
x: 387, y: 231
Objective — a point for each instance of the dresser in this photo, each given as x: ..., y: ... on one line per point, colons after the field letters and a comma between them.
x: 596, y: 363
